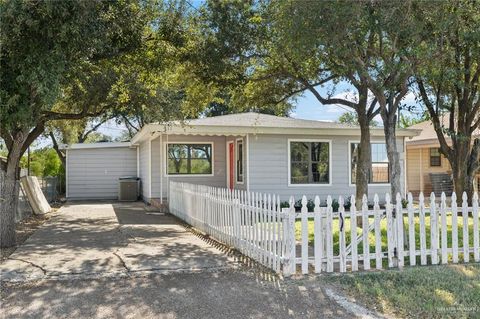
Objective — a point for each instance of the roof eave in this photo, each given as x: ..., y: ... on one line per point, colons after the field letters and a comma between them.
x: 78, y: 146
x: 242, y: 130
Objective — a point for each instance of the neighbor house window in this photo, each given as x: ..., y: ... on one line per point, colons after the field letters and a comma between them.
x: 240, y: 161
x: 309, y: 162
x: 189, y: 159
x: 379, y: 169
x: 435, y: 157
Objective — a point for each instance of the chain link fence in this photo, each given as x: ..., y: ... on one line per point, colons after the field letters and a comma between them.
x: 52, y: 188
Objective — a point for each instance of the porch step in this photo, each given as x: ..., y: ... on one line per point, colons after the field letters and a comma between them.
x: 162, y: 206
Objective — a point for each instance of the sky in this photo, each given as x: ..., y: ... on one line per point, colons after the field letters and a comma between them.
x: 305, y: 107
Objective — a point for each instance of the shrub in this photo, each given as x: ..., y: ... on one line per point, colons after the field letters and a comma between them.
x: 284, y: 204
x: 310, y: 205
x: 335, y: 205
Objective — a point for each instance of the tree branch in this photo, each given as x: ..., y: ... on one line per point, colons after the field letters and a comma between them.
x: 328, y: 101
x: 93, y: 129
x: 129, y: 123
x: 57, y: 148
x: 435, y: 119
x: 51, y: 116
x: 7, y: 137
x: 32, y: 136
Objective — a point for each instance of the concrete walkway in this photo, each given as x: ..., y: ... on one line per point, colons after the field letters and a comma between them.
x: 109, y: 239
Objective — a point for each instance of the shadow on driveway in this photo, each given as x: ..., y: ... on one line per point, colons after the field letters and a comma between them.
x: 108, y: 238
x: 229, y: 294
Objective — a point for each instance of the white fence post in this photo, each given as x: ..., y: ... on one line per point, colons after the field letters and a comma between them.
x: 290, y: 253
x: 341, y: 235
x: 329, y: 233
x: 423, y: 239
x: 466, y: 241
x: 443, y: 216
x: 304, y: 251
x: 411, y: 231
x: 365, y: 232
x: 433, y: 230
x: 378, y: 233
x: 399, y: 231
x: 318, y: 235
x: 476, y: 232
x: 353, y: 233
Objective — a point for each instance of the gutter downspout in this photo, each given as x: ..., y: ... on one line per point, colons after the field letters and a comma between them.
x: 138, y: 160
x: 160, y: 168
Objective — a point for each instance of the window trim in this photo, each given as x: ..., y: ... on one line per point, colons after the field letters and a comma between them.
x: 236, y: 161
x: 165, y: 159
x: 430, y: 157
x: 330, y: 166
x: 350, y: 142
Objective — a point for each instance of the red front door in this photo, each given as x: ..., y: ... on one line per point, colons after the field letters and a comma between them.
x: 231, y: 165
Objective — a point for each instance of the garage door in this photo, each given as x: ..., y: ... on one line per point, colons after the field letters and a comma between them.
x: 92, y: 173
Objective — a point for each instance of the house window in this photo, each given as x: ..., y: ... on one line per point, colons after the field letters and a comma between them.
x: 309, y: 162
x: 380, y: 166
x: 435, y: 157
x: 189, y: 159
x: 240, y: 161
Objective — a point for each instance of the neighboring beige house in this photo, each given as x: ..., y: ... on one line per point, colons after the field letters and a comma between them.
x: 424, y: 158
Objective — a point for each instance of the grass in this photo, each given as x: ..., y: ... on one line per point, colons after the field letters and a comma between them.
x: 383, y: 227
x: 451, y: 291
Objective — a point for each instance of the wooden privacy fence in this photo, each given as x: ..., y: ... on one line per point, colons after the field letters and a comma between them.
x: 333, y: 236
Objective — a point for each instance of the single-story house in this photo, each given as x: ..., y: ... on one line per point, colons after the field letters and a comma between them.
x: 247, y: 151
x: 425, y: 159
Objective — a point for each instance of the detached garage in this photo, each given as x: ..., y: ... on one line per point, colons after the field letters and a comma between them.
x: 93, y: 169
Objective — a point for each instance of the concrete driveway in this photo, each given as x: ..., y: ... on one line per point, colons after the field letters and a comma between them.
x: 119, y: 260
x: 109, y: 239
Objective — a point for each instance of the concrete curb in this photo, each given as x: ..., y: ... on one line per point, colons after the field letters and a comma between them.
x: 349, y: 305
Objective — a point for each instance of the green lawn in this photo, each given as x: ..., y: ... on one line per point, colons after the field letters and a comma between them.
x: 451, y: 291
x: 383, y: 226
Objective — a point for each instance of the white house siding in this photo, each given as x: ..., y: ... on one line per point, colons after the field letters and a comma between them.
x: 268, y: 172
x: 92, y: 173
x: 143, y: 165
x: 160, y: 180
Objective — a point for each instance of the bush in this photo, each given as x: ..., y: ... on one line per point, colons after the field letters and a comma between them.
x: 335, y: 205
x: 284, y: 204
x: 311, y: 204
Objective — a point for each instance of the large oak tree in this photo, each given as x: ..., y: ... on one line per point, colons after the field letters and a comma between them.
x: 41, y: 43
x: 448, y: 78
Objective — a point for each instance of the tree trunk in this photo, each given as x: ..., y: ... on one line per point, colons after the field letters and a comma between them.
x: 462, y: 180
x: 395, y: 170
x: 8, y: 207
x: 364, y: 163
x: 9, y: 187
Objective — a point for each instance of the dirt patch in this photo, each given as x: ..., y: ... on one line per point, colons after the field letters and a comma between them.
x: 24, y: 229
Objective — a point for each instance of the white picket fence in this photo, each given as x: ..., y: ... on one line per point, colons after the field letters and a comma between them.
x: 251, y: 222
x: 427, y: 232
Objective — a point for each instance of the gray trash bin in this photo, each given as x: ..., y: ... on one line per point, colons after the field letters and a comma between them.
x: 128, y: 188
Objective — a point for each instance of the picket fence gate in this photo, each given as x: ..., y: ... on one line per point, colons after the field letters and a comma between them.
x: 332, y: 238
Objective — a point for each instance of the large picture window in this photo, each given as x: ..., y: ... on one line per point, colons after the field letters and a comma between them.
x: 379, y: 170
x: 239, y: 161
x: 189, y: 159
x: 309, y: 162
